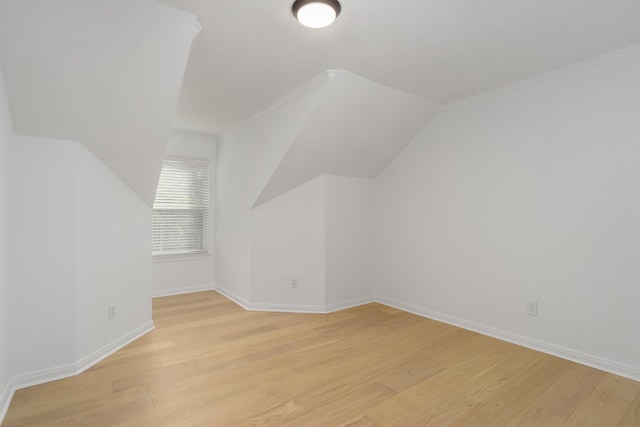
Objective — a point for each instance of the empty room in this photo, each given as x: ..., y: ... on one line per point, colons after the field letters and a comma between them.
x: 320, y: 213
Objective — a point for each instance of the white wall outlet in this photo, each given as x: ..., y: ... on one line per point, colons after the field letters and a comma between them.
x: 295, y: 284
x: 112, y: 311
x: 532, y: 308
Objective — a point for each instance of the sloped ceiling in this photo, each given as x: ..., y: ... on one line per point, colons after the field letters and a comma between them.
x: 106, y: 74
x: 356, y: 129
x: 251, y: 52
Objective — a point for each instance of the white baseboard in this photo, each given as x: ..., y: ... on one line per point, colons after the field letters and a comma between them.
x: 233, y: 297
x: 64, y: 371
x: 288, y: 308
x: 95, y: 357
x: 71, y: 369
x: 544, y: 347
x: 292, y: 308
x: 184, y: 290
x: 343, y: 305
x: 5, y: 398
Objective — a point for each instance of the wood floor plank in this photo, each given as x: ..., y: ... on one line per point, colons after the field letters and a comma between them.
x: 359, y: 421
x: 453, y: 403
x: 565, y: 394
x: 410, y: 373
x: 632, y: 417
x: 340, y: 407
x: 534, y: 416
x: 515, y: 395
x: 211, y: 363
x: 620, y: 387
x: 437, y: 396
x: 272, y: 416
x: 599, y: 409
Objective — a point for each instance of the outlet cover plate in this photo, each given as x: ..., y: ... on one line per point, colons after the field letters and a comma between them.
x: 532, y: 308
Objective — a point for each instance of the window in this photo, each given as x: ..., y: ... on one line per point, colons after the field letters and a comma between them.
x: 181, y: 208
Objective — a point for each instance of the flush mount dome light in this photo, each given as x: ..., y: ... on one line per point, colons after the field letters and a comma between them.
x: 316, y: 13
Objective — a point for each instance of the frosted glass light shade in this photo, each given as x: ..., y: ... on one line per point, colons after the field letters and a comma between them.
x: 316, y: 14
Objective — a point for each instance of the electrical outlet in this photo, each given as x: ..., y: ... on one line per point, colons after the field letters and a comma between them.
x: 295, y: 284
x: 112, y: 311
x: 532, y: 308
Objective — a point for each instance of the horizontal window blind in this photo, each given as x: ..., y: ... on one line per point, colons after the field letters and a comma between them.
x: 181, y: 208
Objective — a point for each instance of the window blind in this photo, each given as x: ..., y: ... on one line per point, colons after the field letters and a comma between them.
x: 181, y: 208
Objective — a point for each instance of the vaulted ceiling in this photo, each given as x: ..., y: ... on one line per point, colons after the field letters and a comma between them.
x: 116, y: 75
x: 104, y: 73
x: 355, y: 129
x: 252, y: 52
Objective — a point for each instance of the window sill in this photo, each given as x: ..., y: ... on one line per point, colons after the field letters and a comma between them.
x: 178, y: 258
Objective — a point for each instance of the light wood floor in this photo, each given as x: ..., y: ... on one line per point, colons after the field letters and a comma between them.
x: 210, y: 363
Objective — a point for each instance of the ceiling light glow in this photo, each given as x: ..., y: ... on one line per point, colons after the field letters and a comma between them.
x: 316, y: 13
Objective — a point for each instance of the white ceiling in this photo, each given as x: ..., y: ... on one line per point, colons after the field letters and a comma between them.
x: 370, y: 125
x: 252, y: 52
x: 105, y: 73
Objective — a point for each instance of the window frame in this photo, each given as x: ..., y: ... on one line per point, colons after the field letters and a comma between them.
x: 204, y: 238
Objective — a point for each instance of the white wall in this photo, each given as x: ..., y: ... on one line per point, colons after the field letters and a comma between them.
x: 287, y: 242
x: 349, y: 240
x: 319, y: 233
x: 6, y: 140
x: 106, y: 74
x: 246, y: 161
x: 530, y: 193
x: 43, y: 254
x: 113, y: 257
x: 333, y: 125
x: 180, y: 275
x: 80, y: 240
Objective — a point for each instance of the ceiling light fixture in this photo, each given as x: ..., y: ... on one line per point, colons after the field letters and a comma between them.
x: 316, y: 13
